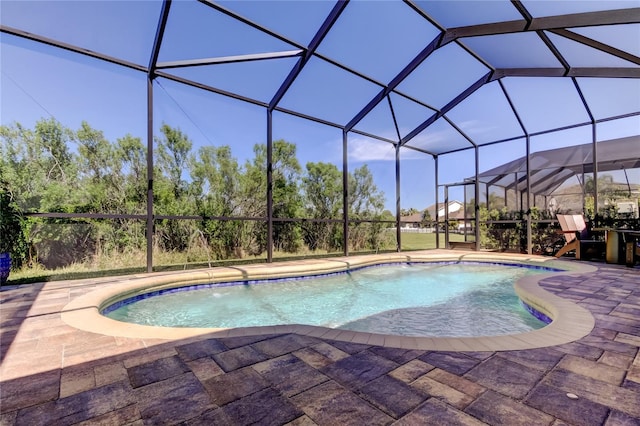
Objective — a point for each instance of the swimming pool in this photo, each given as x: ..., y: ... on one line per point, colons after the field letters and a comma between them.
x: 458, y: 299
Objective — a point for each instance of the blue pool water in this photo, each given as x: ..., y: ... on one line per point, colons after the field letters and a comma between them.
x: 418, y: 299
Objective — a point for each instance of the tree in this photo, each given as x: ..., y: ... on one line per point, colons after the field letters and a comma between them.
x: 171, y: 196
x: 100, y: 170
x: 173, y: 152
x: 608, y: 192
x: 409, y: 211
x: 12, y: 227
x: 131, y: 154
x: 322, y: 188
x: 217, y: 179
x: 51, y: 145
x: 39, y: 166
x: 96, y: 154
x: 46, y: 173
x: 14, y: 167
x: 366, y: 201
x: 287, y: 201
x: 426, y: 218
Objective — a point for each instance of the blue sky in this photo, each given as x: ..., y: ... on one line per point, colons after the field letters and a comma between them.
x: 374, y: 38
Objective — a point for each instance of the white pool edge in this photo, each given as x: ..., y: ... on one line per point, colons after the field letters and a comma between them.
x: 570, y: 321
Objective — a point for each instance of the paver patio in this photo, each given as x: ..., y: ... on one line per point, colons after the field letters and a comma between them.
x: 53, y: 373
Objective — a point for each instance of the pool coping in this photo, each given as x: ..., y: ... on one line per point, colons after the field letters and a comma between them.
x: 570, y: 321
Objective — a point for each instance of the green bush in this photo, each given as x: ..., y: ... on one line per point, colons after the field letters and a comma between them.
x: 12, y: 228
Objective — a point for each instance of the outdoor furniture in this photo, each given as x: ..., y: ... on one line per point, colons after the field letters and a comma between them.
x: 629, y: 240
x: 632, y: 249
x: 578, y: 237
x: 622, y: 245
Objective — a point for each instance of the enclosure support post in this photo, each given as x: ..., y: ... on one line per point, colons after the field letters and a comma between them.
x: 583, y: 187
x: 594, y: 156
x: 529, y: 242
x: 506, y: 202
x: 464, y: 212
x: 476, y: 199
x: 269, y: 186
x: 595, y: 170
x: 487, y: 197
x: 517, y: 201
x: 437, y: 209
x: 150, y: 220
x: 398, y: 233
x: 446, y: 216
x: 345, y: 195
x: 151, y: 75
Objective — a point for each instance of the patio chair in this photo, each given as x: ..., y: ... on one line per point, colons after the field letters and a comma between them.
x: 578, y: 237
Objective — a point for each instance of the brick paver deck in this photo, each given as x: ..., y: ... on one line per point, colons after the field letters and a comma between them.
x: 53, y: 373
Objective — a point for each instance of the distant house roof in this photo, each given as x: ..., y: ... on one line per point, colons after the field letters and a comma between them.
x: 455, y: 215
x: 416, y: 217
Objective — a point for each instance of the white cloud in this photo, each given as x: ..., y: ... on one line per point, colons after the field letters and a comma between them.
x: 363, y: 150
x: 410, y: 154
x: 425, y: 140
x: 476, y: 127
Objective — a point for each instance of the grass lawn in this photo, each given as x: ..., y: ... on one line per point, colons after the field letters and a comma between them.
x: 178, y: 261
x: 415, y: 241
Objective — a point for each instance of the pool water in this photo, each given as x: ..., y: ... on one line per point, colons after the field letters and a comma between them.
x: 419, y: 299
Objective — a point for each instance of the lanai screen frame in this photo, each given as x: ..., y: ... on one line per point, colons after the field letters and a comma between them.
x: 554, y: 24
